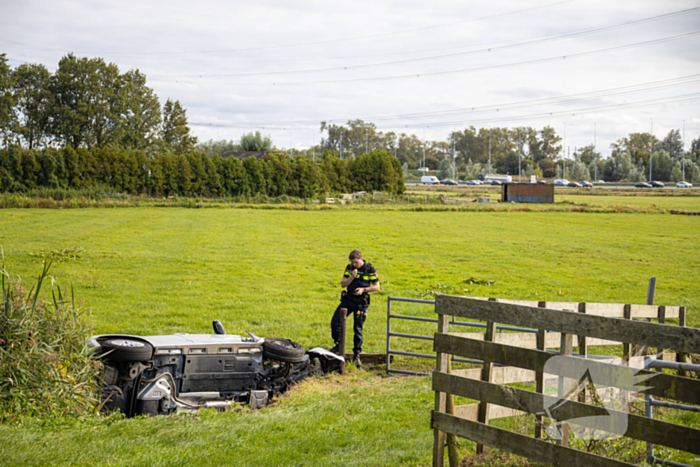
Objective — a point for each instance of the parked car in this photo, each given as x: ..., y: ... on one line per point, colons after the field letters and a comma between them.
x: 473, y: 182
x: 448, y: 182
x: 656, y: 184
x: 684, y: 185
x: 585, y: 184
x: 495, y: 182
x: 574, y: 185
x: 159, y: 375
x: 599, y: 182
x: 560, y: 182
x: 642, y: 185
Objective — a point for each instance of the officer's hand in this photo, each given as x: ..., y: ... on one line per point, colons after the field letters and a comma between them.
x: 354, y: 273
x: 357, y: 291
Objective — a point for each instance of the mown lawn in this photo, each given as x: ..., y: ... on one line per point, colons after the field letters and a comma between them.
x: 277, y: 273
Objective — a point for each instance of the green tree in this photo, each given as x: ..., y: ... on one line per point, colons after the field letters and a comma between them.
x: 377, y: 171
x: 184, y: 176
x: 86, y: 102
x: 255, y: 175
x: 175, y: 134
x: 637, y: 145
x: 6, y: 101
x: 672, y: 144
x: 140, y: 114
x: 446, y: 168
x: 255, y: 142
x: 33, y: 100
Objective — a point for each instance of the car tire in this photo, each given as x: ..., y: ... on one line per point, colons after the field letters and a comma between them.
x: 125, y: 349
x: 283, y: 350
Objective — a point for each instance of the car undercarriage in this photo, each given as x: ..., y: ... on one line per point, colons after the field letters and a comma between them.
x: 161, y: 375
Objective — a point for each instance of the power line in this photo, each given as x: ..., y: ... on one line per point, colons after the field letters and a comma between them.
x: 568, y: 113
x: 641, y: 87
x: 492, y: 67
x: 573, y: 113
x: 450, y: 55
x: 332, y: 41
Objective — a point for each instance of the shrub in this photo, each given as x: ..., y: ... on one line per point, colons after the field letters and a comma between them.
x: 45, y: 365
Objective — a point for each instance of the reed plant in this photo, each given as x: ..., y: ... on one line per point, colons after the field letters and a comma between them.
x: 45, y: 365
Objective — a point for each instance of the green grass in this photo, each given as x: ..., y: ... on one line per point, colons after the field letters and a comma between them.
x: 277, y: 273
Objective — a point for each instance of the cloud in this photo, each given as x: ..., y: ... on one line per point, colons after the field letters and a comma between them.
x: 176, y: 42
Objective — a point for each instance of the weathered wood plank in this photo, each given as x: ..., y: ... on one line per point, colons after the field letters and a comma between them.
x: 661, y: 385
x: 500, y: 374
x: 561, y: 306
x: 638, y: 427
x: 520, y: 445
x: 615, y: 310
x: 566, y: 348
x: 471, y: 411
x: 440, y: 397
x: 517, y: 302
x: 539, y: 378
x: 528, y: 340
x: 486, y: 372
x: 676, y: 338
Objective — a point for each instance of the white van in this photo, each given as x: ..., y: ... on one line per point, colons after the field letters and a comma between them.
x: 429, y: 180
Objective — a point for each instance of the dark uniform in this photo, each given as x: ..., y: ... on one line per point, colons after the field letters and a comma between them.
x: 355, y: 304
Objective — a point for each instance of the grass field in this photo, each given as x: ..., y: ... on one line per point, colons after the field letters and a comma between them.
x: 277, y: 273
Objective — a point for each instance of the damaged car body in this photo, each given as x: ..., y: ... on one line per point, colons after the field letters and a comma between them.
x: 160, y: 375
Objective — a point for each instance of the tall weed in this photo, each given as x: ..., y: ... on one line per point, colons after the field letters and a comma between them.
x: 45, y: 365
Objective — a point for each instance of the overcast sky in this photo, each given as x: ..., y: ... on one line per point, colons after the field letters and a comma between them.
x: 584, y: 67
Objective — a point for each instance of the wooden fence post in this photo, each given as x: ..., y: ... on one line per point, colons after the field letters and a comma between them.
x: 440, y: 397
x: 565, y: 348
x: 486, y: 371
x: 681, y: 357
x: 626, y: 346
x: 539, y: 376
x: 341, y: 339
x: 662, y: 320
x: 583, y: 353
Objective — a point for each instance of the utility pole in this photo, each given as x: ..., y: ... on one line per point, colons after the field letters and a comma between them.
x: 396, y: 142
x: 520, y: 156
x: 341, y: 144
x: 366, y: 141
x: 595, y: 151
x: 454, y: 164
x: 424, y: 148
x: 313, y: 145
x: 651, y: 146
x: 683, y: 150
x: 489, y: 151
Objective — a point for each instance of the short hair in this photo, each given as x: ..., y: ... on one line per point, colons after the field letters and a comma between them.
x: 355, y: 254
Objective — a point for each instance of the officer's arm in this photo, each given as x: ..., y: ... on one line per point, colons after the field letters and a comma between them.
x: 372, y: 288
x: 347, y: 280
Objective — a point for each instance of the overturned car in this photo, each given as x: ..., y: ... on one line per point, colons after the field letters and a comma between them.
x: 159, y: 375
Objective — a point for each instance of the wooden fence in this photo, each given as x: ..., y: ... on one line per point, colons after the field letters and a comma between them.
x: 563, y: 326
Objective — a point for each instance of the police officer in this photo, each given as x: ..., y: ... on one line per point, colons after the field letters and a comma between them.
x: 360, y: 278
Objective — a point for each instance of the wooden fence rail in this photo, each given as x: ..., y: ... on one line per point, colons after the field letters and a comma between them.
x: 528, y: 360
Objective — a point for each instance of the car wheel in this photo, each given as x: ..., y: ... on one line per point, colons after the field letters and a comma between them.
x: 125, y: 349
x: 283, y: 350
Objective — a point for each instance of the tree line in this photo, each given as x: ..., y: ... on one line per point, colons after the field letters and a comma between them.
x: 525, y: 150
x: 194, y: 173
x: 87, y: 103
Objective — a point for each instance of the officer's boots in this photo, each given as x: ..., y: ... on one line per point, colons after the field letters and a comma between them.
x: 356, y: 360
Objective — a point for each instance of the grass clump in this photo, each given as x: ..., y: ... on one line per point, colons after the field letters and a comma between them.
x: 45, y: 366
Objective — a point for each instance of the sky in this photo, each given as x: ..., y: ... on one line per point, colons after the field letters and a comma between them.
x: 594, y: 70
